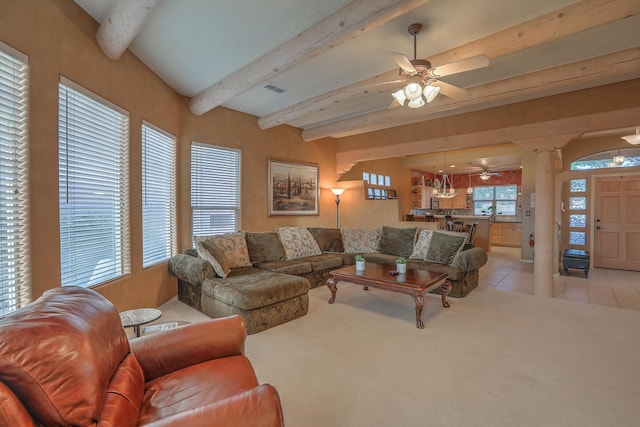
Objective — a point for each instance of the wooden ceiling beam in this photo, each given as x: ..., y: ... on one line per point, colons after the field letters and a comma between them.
x: 353, y: 19
x: 577, y: 125
x: 570, y: 20
x: 123, y: 21
x: 611, y: 68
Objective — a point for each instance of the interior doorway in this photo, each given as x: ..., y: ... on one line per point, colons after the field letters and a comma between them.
x: 616, y: 219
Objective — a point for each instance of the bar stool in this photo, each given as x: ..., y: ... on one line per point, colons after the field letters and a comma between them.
x: 471, y: 230
x: 458, y: 226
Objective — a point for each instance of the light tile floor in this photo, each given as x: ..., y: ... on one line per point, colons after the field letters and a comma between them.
x: 613, y: 288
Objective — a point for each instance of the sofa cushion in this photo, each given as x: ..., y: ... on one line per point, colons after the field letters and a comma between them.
x: 265, y: 247
x: 213, y: 254
x: 444, y: 247
x: 360, y: 240
x: 298, y: 242
x: 296, y: 267
x: 329, y: 239
x: 250, y: 288
x: 234, y: 246
x: 324, y: 262
x: 455, y: 273
x: 397, y: 241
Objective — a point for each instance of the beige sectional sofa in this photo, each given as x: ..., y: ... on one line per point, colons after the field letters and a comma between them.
x: 268, y: 279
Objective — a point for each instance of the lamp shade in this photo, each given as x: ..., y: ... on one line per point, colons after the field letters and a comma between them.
x: 416, y: 103
x: 337, y: 191
x: 399, y: 96
x: 430, y: 92
x: 413, y: 91
x: 633, y: 139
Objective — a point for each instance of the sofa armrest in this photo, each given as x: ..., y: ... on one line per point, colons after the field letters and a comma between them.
x: 168, y: 351
x: 190, y: 269
x: 258, y: 407
x: 470, y: 260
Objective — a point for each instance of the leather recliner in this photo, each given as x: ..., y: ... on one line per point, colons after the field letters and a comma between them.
x: 65, y: 360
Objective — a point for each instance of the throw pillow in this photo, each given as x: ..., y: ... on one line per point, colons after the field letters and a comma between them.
x: 234, y: 246
x: 422, y: 245
x: 360, y: 240
x: 397, y: 241
x: 444, y: 247
x: 298, y: 242
x: 264, y: 247
x: 329, y: 239
x: 209, y: 251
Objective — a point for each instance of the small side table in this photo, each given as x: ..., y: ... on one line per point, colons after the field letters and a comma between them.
x: 139, y: 316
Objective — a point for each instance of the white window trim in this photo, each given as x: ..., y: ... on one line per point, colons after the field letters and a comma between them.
x: 21, y: 266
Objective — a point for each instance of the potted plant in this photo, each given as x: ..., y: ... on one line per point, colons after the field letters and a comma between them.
x: 491, y: 210
x: 401, y: 265
x: 359, y: 262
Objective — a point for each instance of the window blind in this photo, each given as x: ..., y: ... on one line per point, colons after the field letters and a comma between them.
x: 215, y: 189
x: 15, y: 286
x: 93, y: 179
x: 158, y: 195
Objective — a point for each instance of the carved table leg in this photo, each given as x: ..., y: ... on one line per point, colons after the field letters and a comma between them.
x: 444, y: 292
x: 419, y: 300
x: 332, y: 287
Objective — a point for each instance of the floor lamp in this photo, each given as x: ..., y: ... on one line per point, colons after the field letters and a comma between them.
x: 337, y: 192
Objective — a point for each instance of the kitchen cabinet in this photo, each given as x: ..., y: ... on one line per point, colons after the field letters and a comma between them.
x: 421, y: 197
x: 506, y: 234
x: 458, y: 202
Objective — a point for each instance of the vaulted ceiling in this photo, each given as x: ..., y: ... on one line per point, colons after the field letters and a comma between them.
x: 325, y: 66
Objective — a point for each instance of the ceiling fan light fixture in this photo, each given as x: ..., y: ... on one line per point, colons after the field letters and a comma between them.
x: 431, y: 91
x: 413, y: 91
x: 416, y: 103
x: 633, y: 139
x: 399, y: 96
x: 485, y: 176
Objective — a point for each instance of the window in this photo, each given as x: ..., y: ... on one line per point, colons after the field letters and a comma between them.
x: 15, y: 286
x: 577, y: 219
x: 93, y: 177
x: 630, y: 157
x: 158, y: 195
x: 503, y: 197
x: 376, y: 186
x: 215, y: 189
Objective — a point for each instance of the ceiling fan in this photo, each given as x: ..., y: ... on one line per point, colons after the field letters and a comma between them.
x: 423, y: 84
x: 485, y: 174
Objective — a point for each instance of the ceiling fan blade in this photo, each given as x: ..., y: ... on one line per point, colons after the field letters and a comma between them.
x: 452, y: 91
x: 403, y: 62
x: 468, y: 64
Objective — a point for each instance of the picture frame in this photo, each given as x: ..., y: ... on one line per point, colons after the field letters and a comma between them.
x: 293, y: 188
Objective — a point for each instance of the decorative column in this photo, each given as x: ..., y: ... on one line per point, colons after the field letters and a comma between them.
x: 543, y: 267
x: 543, y: 225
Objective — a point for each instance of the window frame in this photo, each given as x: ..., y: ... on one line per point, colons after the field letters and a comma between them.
x: 94, y: 195
x: 15, y: 259
x: 208, y: 180
x: 158, y: 246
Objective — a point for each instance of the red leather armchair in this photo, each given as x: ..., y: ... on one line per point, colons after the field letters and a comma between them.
x: 65, y: 360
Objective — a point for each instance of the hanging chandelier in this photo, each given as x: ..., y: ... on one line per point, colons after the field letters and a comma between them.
x: 469, y: 188
x: 441, y: 191
x: 619, y: 159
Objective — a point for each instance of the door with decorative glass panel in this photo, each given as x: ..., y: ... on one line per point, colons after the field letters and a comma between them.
x: 617, y: 222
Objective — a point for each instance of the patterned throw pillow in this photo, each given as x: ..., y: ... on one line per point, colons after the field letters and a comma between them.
x: 360, y: 240
x: 298, y: 242
x: 443, y: 248
x: 234, y: 246
x: 210, y: 252
x: 422, y: 245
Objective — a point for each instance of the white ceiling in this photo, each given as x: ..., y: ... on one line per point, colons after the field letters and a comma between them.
x: 192, y: 44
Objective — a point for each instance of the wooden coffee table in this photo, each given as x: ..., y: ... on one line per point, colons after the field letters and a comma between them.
x: 414, y: 283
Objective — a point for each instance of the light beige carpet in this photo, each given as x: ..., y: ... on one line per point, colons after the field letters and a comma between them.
x: 494, y: 358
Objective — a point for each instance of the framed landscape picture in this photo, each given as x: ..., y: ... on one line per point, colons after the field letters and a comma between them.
x: 293, y: 188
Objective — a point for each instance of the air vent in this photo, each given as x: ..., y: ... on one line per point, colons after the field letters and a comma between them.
x: 274, y: 88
